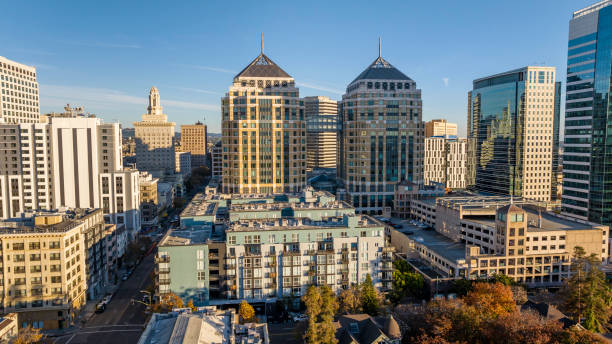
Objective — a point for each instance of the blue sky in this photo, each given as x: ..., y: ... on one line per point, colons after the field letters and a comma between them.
x: 106, y: 55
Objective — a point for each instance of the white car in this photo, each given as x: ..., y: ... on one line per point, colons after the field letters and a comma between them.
x: 300, y: 317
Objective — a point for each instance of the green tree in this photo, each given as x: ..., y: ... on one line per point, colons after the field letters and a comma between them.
x: 321, y: 306
x: 370, y: 300
x: 587, y: 294
x: 406, y: 282
x: 246, y: 312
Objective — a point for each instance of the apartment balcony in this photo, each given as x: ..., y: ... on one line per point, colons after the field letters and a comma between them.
x: 164, y: 259
x: 162, y: 271
x: 230, y: 266
x: 311, y: 252
x: 271, y: 264
x: 292, y: 253
x: 387, y: 266
x: 164, y: 281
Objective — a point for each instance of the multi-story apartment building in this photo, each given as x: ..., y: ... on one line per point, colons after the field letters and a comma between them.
x: 511, y: 122
x: 587, y: 177
x: 445, y: 161
x: 18, y: 93
x: 183, y: 163
x: 155, y: 139
x: 480, y: 236
x: 148, y: 200
x: 264, y: 132
x: 381, y: 137
x: 440, y: 127
x: 59, y: 163
x: 273, y: 246
x: 194, y: 139
x: 216, y: 160
x: 120, y: 199
x: 46, y: 262
x: 321, y: 132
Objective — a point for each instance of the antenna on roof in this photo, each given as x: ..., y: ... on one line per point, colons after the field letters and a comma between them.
x: 379, y: 47
x: 262, y: 46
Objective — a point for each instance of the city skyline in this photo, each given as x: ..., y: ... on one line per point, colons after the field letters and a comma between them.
x: 109, y: 69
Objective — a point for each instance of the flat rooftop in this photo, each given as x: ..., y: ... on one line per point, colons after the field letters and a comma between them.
x: 362, y: 221
x: 184, y: 237
x: 438, y: 243
x: 245, y: 207
x: 550, y: 221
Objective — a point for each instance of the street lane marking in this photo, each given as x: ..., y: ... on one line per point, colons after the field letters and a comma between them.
x: 69, y: 340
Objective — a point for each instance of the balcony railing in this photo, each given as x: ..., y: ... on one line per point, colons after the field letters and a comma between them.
x: 164, y: 259
x: 164, y: 281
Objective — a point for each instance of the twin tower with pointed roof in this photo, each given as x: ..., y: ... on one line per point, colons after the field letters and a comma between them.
x: 380, y: 139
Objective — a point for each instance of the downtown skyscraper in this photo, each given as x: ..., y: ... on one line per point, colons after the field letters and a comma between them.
x: 587, y: 159
x: 511, y: 130
x: 381, y: 136
x: 18, y: 93
x: 264, y: 131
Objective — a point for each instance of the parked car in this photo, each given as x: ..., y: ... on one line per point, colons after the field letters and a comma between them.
x: 300, y: 317
x: 125, y: 277
x: 100, y: 307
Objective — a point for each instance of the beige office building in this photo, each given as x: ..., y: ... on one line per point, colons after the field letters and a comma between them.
x: 264, y: 133
x: 445, y: 161
x: 477, y: 237
x: 148, y: 199
x: 440, y: 127
x: 321, y: 132
x: 155, y: 139
x: 381, y: 140
x: 18, y: 93
x: 194, y: 139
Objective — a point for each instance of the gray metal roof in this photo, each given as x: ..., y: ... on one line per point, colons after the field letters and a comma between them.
x: 262, y: 67
x: 380, y: 69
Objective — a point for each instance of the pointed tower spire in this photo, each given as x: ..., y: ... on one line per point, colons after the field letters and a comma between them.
x: 262, y: 46
x: 379, y: 47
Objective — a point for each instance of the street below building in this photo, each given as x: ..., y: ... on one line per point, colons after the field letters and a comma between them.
x: 122, y: 321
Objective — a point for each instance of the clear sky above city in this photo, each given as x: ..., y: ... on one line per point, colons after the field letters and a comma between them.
x: 106, y: 55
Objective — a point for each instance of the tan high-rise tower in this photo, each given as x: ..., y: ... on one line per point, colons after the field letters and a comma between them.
x: 154, y: 138
x: 263, y: 128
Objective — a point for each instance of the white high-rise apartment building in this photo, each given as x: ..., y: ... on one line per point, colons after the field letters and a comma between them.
x: 155, y: 139
x: 59, y: 163
x: 445, y: 161
x: 18, y: 93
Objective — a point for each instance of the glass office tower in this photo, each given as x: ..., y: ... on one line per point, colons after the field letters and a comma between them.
x: 511, y: 128
x: 587, y: 159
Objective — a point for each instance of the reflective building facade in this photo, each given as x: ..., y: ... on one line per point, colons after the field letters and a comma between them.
x: 510, y: 128
x: 587, y: 159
